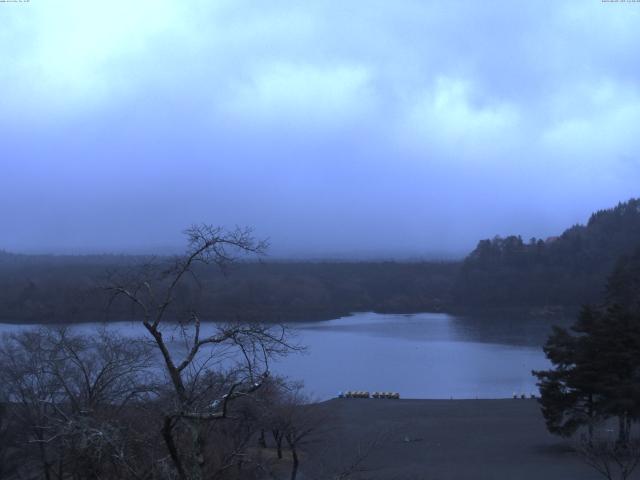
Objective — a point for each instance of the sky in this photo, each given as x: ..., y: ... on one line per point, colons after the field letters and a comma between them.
x: 364, y: 129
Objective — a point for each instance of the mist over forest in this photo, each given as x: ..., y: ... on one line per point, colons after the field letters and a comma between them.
x: 548, y: 277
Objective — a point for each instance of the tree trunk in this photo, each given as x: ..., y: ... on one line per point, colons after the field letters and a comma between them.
x: 46, y: 467
x: 294, y: 467
x: 279, y: 446
x: 591, y: 420
x: 620, y: 430
x: 623, y: 431
x: 167, y: 435
x: 197, y: 451
x: 277, y: 436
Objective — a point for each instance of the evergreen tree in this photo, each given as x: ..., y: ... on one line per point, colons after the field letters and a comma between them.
x: 595, y: 374
x: 623, y: 287
x: 568, y: 270
x: 569, y: 393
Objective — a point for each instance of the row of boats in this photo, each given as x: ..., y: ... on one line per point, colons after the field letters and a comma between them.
x: 361, y: 394
x: 396, y: 395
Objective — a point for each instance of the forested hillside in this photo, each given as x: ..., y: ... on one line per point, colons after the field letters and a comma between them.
x: 567, y: 270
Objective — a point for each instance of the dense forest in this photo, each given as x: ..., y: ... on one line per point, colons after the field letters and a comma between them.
x: 568, y: 270
x: 539, y: 276
x: 70, y: 288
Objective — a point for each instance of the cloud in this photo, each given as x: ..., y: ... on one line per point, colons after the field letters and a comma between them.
x: 599, y: 120
x: 302, y: 93
x: 282, y: 113
x: 71, y: 56
x: 453, y: 119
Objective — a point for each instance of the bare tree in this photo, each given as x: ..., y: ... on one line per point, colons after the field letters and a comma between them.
x: 612, y: 459
x: 272, y: 421
x: 8, y: 462
x: 65, y: 392
x: 195, y: 400
x: 301, y: 421
x: 288, y: 414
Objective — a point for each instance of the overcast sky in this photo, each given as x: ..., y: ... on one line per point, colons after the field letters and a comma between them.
x: 335, y: 128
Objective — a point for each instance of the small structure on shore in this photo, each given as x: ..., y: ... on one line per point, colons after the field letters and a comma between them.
x: 523, y: 395
x: 364, y: 394
x: 391, y: 395
x: 354, y: 394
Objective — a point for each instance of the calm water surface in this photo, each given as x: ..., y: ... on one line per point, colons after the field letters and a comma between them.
x: 424, y: 355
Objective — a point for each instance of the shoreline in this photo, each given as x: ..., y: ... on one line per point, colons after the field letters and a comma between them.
x: 562, y: 313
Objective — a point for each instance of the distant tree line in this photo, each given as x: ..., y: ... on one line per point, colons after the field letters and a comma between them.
x: 541, y: 276
x: 52, y: 289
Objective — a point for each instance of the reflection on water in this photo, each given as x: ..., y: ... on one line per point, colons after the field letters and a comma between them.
x: 423, y: 355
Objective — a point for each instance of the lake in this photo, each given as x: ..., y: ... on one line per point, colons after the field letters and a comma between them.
x: 425, y: 355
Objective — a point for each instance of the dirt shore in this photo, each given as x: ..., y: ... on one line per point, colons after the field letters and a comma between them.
x: 441, y: 439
